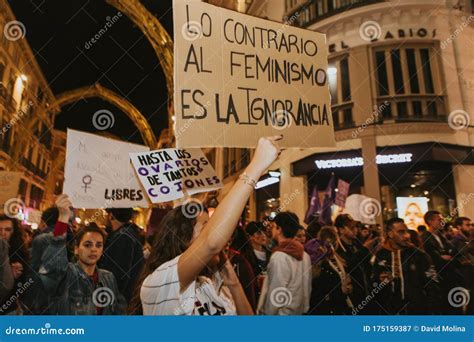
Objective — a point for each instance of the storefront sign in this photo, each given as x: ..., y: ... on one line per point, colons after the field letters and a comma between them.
x: 238, y: 78
x: 359, y: 161
x: 400, y: 33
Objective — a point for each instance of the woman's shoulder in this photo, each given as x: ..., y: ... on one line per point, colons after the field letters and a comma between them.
x: 163, y: 274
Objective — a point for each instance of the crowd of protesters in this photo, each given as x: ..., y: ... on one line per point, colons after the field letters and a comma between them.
x: 212, y: 265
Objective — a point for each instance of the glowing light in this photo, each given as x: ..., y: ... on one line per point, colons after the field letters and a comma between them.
x: 359, y: 161
x: 267, y: 182
x: 332, y: 71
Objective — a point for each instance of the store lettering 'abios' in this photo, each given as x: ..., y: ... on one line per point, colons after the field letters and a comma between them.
x: 237, y: 157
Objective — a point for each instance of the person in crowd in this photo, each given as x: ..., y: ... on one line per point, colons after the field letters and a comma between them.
x: 415, y: 238
x: 463, y: 240
x: 79, y: 288
x: 450, y: 232
x: 464, y: 246
x: 186, y: 272
x: 441, y: 252
x: 43, y: 237
x: 123, y: 251
x: 259, y: 241
x: 301, y: 235
x: 287, y: 288
x: 240, y: 250
x: 356, y: 256
x: 6, y: 275
x: 269, y: 224
x: 364, y: 233
x: 421, y: 229
x: 404, y: 275
x: 261, y: 254
x: 331, y: 284
x: 13, y: 233
x: 313, y: 229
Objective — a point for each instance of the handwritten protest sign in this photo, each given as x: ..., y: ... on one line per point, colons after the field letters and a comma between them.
x: 166, y: 174
x: 9, y: 186
x: 342, y: 193
x: 98, y: 173
x: 238, y: 78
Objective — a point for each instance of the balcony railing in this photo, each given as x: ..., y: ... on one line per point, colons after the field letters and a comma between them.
x: 407, y: 108
x: 33, y: 168
x: 342, y: 116
x: 313, y: 11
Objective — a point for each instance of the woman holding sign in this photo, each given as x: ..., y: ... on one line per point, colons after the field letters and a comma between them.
x: 186, y: 272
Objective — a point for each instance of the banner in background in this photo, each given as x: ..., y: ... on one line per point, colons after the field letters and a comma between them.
x: 166, y: 174
x: 342, y: 193
x: 238, y: 78
x: 98, y: 173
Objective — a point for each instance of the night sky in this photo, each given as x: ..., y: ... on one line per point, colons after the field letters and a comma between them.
x: 122, y: 60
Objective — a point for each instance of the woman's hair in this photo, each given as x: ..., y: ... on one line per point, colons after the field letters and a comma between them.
x: 91, y: 228
x: 327, y: 233
x: 18, y: 248
x: 173, y: 237
x: 240, y: 242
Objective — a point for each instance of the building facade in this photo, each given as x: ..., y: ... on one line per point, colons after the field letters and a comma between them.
x: 401, y: 82
x: 24, y: 92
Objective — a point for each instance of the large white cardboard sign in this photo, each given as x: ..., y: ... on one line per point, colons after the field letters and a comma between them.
x: 238, y: 78
x: 98, y: 173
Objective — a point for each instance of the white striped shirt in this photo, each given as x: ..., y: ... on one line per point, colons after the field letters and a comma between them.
x: 160, y: 294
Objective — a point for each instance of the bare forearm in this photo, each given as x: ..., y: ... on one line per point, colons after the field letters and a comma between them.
x: 224, y: 220
x: 242, y: 304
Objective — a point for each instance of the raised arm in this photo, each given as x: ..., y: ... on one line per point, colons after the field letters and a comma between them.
x: 54, y: 262
x: 220, y: 227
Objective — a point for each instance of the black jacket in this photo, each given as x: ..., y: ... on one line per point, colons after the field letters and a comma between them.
x: 123, y: 256
x: 327, y: 297
x: 357, y: 259
x: 417, y: 293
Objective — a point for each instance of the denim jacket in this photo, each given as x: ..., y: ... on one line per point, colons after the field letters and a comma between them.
x: 71, y: 291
